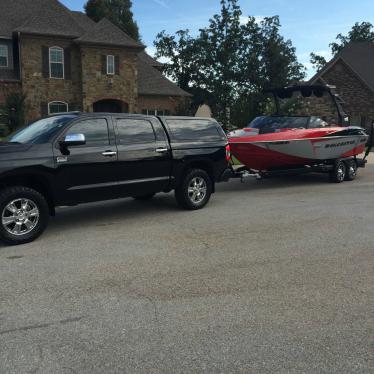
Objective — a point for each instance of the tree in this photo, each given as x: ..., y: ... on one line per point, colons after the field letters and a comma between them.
x: 14, y: 110
x: 360, y: 32
x: 230, y: 62
x: 117, y: 11
x: 317, y: 61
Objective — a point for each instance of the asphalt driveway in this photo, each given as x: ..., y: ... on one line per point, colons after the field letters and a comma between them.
x: 274, y: 276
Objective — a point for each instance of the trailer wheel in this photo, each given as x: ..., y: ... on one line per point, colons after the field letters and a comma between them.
x: 351, y: 173
x: 338, y: 174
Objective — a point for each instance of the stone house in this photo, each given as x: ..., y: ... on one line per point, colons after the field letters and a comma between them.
x: 352, y: 73
x: 63, y: 61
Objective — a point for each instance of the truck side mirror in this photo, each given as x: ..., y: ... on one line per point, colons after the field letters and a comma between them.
x: 73, y: 140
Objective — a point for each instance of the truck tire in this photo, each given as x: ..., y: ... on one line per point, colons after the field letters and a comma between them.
x: 144, y: 197
x: 351, y: 173
x: 195, y: 190
x: 24, y: 215
x: 338, y: 174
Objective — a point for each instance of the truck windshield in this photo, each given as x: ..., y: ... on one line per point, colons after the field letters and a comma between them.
x: 40, y: 131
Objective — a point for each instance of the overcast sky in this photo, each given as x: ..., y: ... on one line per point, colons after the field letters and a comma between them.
x: 311, y: 25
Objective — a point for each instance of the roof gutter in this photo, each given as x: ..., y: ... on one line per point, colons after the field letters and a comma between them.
x: 106, y: 45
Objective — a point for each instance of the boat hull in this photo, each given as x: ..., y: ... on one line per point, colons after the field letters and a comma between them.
x: 268, y: 154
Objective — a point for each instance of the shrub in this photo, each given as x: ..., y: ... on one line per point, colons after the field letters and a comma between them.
x: 14, y: 110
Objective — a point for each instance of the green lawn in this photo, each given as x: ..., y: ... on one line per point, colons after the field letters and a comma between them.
x: 235, y: 161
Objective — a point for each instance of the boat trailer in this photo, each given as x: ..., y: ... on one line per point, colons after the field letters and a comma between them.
x: 328, y: 166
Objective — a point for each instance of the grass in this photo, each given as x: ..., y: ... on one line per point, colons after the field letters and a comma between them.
x: 235, y: 161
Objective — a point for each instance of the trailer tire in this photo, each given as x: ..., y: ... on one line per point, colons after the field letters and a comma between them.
x: 338, y: 174
x: 351, y: 173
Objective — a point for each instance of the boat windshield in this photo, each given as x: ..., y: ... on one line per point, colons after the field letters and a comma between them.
x: 267, y: 125
x: 40, y: 131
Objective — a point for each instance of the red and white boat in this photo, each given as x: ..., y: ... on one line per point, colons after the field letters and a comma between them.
x: 274, y: 143
x: 295, y: 147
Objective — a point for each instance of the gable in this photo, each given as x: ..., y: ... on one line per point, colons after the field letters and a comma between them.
x: 359, y: 57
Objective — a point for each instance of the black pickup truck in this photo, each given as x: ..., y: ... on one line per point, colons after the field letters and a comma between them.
x: 75, y: 158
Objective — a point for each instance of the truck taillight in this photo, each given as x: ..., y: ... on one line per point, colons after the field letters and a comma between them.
x: 228, y: 152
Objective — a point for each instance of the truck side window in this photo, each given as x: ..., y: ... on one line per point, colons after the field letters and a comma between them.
x: 135, y: 131
x: 191, y: 129
x: 95, y: 130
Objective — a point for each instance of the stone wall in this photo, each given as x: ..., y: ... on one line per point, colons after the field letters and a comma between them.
x: 88, y: 82
x: 7, y: 88
x: 171, y: 104
x: 97, y: 85
x: 320, y: 107
x: 358, y: 98
x: 39, y: 90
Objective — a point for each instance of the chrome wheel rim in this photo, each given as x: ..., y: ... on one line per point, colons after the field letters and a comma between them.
x: 197, y: 190
x: 341, y: 172
x: 352, y: 171
x: 20, y: 217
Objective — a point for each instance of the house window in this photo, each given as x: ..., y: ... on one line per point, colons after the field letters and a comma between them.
x: 110, y: 65
x: 56, y: 62
x: 4, y: 56
x: 156, y: 112
x: 57, y: 107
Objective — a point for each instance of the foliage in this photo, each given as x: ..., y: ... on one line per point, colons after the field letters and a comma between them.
x: 317, y: 61
x: 14, y: 110
x: 117, y: 11
x: 360, y: 32
x: 230, y: 62
x: 287, y: 107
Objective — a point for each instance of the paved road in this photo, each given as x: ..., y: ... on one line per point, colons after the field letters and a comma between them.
x: 275, y: 276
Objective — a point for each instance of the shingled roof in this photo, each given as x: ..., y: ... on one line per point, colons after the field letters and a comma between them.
x: 83, y: 20
x: 106, y: 33
x: 152, y: 82
x: 50, y: 17
x: 145, y: 57
x: 47, y: 17
x: 359, y: 56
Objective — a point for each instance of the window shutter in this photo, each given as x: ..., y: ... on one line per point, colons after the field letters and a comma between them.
x: 44, y: 109
x: 45, y: 62
x: 103, y: 65
x: 67, y: 63
x: 116, y: 64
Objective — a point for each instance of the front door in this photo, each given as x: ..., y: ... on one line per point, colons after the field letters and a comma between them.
x: 144, y: 156
x: 110, y: 106
x: 88, y: 173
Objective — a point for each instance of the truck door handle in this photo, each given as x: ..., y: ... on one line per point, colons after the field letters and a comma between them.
x: 109, y: 153
x: 161, y: 150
